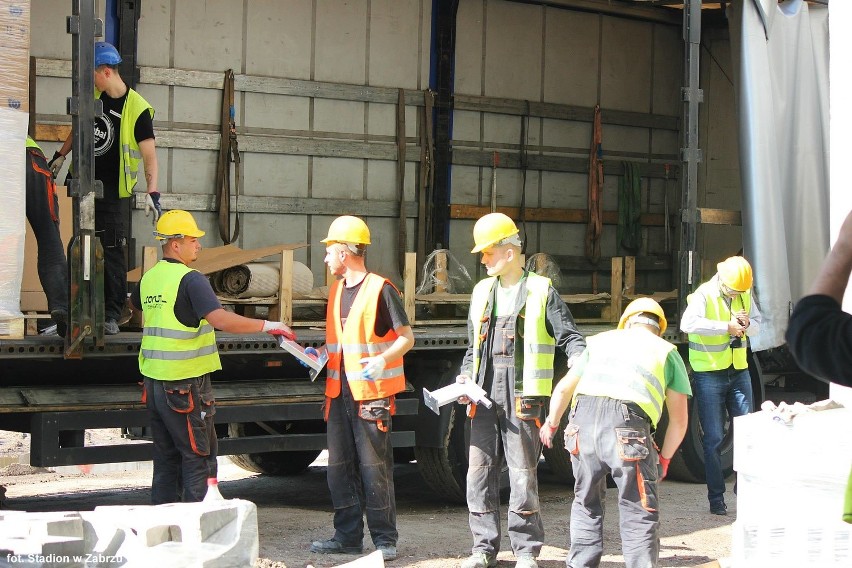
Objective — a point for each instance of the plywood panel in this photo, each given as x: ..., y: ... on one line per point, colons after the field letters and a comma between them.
x: 624, y: 139
x: 202, y: 167
x: 513, y: 50
x: 278, y: 38
x: 394, y: 34
x: 275, y: 175
x: 275, y: 111
x: 466, y: 184
x: 469, y: 47
x: 626, y: 65
x: 340, y: 43
x: 382, y: 181
x: 208, y: 36
x: 571, y: 57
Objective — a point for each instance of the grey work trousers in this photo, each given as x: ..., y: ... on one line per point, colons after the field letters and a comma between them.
x: 360, y: 474
x: 496, y: 432
x: 185, y: 443
x: 605, y: 435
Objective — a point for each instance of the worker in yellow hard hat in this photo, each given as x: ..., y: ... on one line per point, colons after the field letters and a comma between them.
x: 516, y: 324
x: 367, y: 334
x: 719, y: 317
x: 617, y: 390
x: 177, y: 356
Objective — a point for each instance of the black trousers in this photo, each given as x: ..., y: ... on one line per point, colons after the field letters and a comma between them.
x: 43, y: 216
x: 185, y: 444
x: 111, y: 228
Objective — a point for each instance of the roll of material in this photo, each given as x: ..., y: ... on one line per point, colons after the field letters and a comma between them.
x: 259, y: 280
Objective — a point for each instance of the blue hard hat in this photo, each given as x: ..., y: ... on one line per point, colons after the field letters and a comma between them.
x: 106, y: 54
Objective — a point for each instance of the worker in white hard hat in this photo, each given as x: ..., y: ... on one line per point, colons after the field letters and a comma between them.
x: 617, y: 390
x: 367, y: 334
x: 516, y: 324
x: 177, y: 356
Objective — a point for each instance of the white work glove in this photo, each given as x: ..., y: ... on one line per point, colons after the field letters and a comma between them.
x: 278, y: 328
x: 152, y: 205
x: 55, y: 163
x: 372, y: 366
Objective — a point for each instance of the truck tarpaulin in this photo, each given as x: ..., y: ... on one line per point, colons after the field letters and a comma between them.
x: 781, y: 55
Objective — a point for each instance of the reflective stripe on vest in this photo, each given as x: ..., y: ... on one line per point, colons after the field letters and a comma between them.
x: 539, y: 346
x: 628, y: 365
x: 128, y: 168
x: 171, y: 351
x: 357, y: 339
x: 713, y: 352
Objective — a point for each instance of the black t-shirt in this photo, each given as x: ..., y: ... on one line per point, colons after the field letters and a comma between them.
x: 108, y: 144
x: 195, y: 298
x: 389, y: 315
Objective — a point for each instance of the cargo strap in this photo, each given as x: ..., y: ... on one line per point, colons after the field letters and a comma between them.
x: 595, y: 224
x: 228, y: 152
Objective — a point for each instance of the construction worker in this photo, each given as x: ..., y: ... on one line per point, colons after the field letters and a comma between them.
x: 43, y: 216
x: 177, y: 355
x: 617, y: 390
x: 718, y: 317
x: 123, y: 136
x: 367, y: 334
x: 516, y: 323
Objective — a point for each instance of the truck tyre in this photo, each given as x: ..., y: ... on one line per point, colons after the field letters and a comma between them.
x: 557, y: 458
x: 270, y: 463
x: 445, y: 469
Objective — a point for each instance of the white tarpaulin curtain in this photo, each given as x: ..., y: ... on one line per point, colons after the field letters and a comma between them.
x: 780, y: 52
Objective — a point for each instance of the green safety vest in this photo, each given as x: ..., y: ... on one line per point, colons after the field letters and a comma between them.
x: 539, y: 346
x: 628, y: 365
x: 171, y: 351
x: 128, y: 168
x: 713, y: 352
x: 32, y: 144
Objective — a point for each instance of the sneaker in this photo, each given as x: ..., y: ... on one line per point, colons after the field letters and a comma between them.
x: 526, y: 561
x: 111, y: 327
x: 719, y: 508
x: 388, y: 551
x: 60, y: 318
x: 332, y: 546
x: 480, y: 560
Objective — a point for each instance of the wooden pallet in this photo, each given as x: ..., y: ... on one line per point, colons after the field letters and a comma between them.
x: 12, y: 328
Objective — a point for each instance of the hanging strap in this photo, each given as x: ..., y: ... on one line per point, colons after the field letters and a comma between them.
x: 228, y: 152
x: 594, y: 227
x: 523, y: 159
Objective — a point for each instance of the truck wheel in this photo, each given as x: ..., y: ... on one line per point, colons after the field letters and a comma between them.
x: 557, y: 458
x: 445, y: 469
x: 270, y: 463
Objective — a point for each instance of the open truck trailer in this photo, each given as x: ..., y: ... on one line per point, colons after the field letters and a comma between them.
x: 418, y: 116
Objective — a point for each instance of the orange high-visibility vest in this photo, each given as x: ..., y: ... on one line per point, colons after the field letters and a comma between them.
x: 358, y: 339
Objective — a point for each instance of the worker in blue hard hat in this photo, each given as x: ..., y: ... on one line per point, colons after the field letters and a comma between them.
x: 124, y: 136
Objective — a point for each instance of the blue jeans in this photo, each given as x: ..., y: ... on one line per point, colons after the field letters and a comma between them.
x: 716, y: 391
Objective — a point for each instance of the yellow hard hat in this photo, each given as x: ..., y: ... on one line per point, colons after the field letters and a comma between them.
x: 735, y: 273
x: 644, y: 305
x: 348, y: 229
x: 491, y: 229
x: 175, y: 224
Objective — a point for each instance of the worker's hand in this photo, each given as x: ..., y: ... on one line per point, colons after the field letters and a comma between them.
x: 278, y: 328
x: 152, y: 205
x: 463, y: 379
x: 55, y: 163
x: 372, y: 367
x: 742, y: 318
x: 664, y: 468
x: 547, y: 431
x: 735, y: 328
x: 310, y: 352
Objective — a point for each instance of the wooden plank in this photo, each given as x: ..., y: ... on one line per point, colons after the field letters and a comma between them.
x: 12, y: 328
x: 629, y: 274
x: 549, y: 215
x: 282, y: 205
x: 616, y: 288
x: 441, y: 274
x: 569, y: 263
x: 283, y: 310
x: 52, y: 132
x: 409, y: 285
x: 719, y: 216
x: 149, y: 258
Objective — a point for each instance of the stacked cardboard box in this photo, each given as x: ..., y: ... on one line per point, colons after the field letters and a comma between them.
x: 14, y: 108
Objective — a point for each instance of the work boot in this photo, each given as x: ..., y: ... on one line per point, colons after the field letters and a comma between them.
x: 388, y: 551
x: 332, y: 546
x: 719, y: 508
x: 526, y: 561
x: 479, y: 560
x: 111, y: 327
x: 60, y: 318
